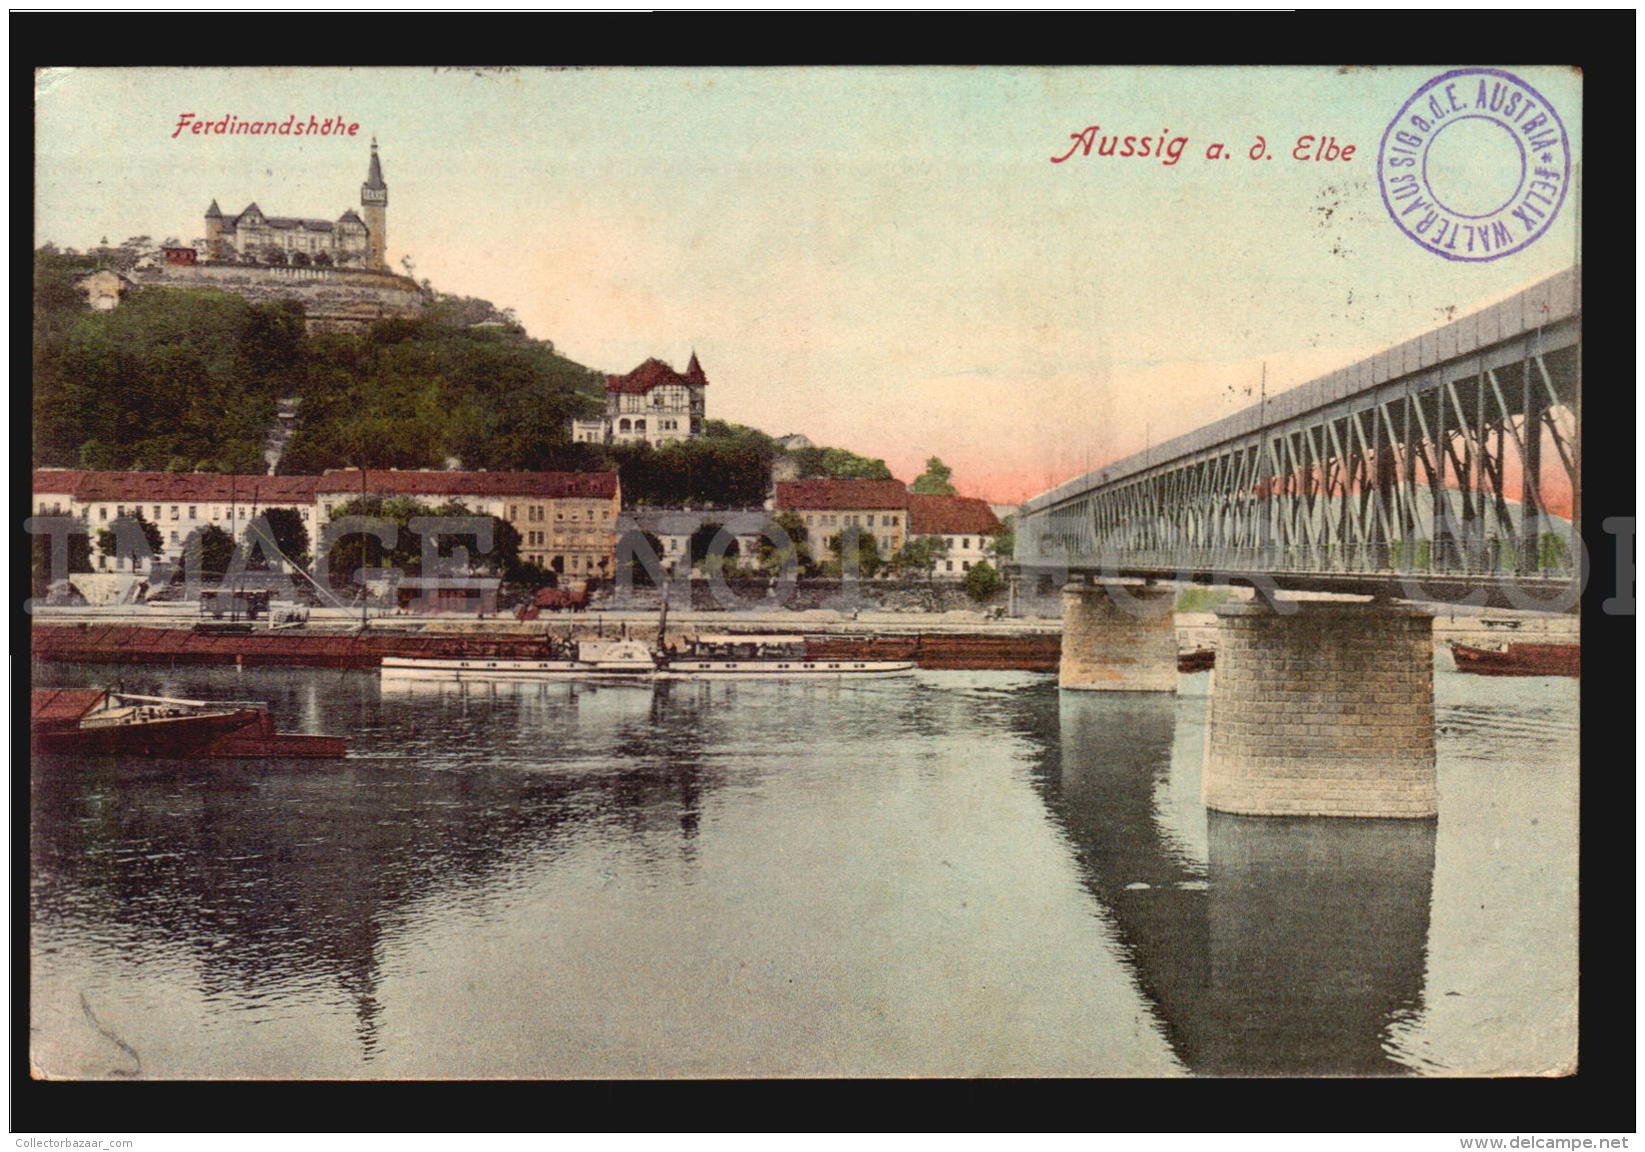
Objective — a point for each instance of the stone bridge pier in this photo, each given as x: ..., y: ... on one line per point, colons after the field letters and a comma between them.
x: 1118, y: 638
x: 1324, y: 711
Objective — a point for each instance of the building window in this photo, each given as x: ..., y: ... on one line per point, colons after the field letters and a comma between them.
x: 949, y: 565
x: 967, y: 544
x: 157, y: 511
x: 174, y: 511
x: 102, y: 511
x: 965, y: 565
x: 193, y: 513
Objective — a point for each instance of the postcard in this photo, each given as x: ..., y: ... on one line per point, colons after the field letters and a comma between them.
x: 791, y: 572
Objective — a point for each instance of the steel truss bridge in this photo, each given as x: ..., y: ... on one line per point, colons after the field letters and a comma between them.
x: 1424, y: 473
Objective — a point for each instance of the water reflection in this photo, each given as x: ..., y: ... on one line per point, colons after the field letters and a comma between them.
x: 1318, y: 936
x: 263, y: 878
x: 955, y: 874
x: 1268, y: 946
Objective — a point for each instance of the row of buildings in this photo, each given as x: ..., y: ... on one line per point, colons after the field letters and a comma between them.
x: 566, y: 520
x: 569, y: 522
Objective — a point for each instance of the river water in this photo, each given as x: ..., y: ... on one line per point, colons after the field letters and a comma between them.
x: 955, y: 873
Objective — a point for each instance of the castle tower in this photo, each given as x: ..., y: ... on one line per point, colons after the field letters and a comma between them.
x: 374, y: 200
x: 214, y: 232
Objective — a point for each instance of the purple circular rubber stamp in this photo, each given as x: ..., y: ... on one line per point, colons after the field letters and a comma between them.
x: 1475, y: 166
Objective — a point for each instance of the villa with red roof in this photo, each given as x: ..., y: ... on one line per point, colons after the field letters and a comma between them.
x: 653, y: 404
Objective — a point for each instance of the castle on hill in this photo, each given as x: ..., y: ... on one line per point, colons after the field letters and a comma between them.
x: 351, y: 240
x: 337, y: 268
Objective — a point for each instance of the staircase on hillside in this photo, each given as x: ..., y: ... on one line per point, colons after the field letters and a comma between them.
x: 285, y: 423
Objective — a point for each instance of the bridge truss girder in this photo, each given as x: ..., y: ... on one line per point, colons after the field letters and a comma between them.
x: 1445, y: 475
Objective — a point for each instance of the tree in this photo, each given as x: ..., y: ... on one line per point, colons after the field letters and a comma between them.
x: 776, y: 559
x: 79, y: 560
x: 982, y: 582
x: 1004, y: 546
x: 934, y: 480
x: 921, y: 555
x: 528, y: 574
x: 108, y: 539
x: 349, y: 553
x: 838, y: 463
x: 504, y: 553
x: 697, y: 547
x: 290, y: 535
x: 641, y: 541
x: 107, y: 391
x: 216, y: 549
x: 867, y: 549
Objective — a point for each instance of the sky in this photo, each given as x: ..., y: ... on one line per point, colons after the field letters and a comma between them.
x: 882, y: 259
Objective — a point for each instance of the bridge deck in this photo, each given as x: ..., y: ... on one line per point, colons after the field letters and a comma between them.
x: 1450, y: 461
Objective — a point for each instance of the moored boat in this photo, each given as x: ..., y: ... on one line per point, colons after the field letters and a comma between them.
x: 698, y: 657
x: 94, y: 722
x: 577, y: 660
x: 760, y: 657
x: 1199, y: 660
x: 1519, y: 659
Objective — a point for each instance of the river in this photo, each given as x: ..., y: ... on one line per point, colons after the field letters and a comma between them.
x: 949, y: 874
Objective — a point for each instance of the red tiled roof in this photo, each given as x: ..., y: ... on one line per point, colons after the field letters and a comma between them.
x: 593, y: 485
x: 951, y: 516
x: 197, y: 486
x: 87, y: 487
x: 55, y: 480
x: 653, y: 373
x: 829, y: 493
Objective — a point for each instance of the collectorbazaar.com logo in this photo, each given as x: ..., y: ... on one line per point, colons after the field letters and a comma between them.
x: 1475, y: 165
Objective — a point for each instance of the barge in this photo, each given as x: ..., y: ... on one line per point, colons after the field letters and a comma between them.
x: 96, y: 722
x: 1519, y: 659
x: 140, y: 644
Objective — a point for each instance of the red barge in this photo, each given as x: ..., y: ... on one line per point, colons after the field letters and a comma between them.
x: 134, y: 644
x: 94, y: 722
x: 1519, y: 659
